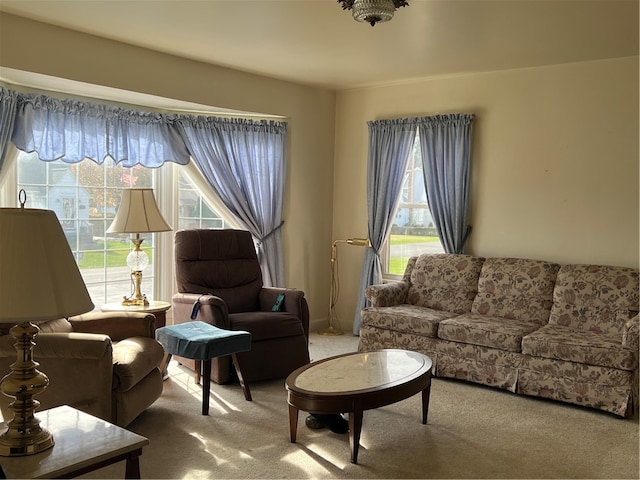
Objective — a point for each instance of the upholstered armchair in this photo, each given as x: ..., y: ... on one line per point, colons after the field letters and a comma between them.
x: 105, y: 364
x: 219, y: 270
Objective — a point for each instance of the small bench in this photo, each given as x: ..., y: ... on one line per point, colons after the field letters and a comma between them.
x: 201, y: 342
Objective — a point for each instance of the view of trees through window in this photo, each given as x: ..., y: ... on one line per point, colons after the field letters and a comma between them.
x: 413, y: 231
x: 85, y: 196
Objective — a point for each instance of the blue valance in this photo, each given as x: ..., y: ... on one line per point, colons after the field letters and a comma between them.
x: 72, y: 130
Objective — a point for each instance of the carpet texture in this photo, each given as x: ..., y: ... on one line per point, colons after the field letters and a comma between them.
x: 472, y: 432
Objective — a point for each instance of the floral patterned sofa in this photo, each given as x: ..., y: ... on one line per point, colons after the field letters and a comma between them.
x: 568, y: 333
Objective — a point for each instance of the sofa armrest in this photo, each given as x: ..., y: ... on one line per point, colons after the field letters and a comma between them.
x: 294, y: 303
x: 387, y: 294
x: 631, y: 333
x: 117, y: 325
x: 79, y: 367
x: 213, y: 310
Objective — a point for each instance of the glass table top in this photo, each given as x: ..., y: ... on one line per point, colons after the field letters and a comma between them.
x: 361, y: 371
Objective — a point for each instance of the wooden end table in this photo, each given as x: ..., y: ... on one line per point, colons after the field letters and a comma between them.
x: 355, y: 382
x: 159, y: 309
x: 83, y: 443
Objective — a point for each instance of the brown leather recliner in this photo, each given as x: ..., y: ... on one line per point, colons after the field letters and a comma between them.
x: 219, y: 269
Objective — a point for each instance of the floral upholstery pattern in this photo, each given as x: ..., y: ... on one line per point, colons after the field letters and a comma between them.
x: 610, y: 398
x: 631, y: 333
x: 567, y: 333
x: 485, y: 330
x: 596, y: 298
x: 580, y: 346
x: 404, y: 318
x: 387, y: 294
x: 445, y: 281
x: 516, y: 288
x: 374, y: 338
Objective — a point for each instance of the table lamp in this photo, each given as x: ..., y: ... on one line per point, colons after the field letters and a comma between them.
x: 138, y: 213
x: 335, y: 290
x: 39, y: 281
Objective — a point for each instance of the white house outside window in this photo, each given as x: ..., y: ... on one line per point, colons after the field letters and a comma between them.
x: 413, y: 231
x: 85, y: 197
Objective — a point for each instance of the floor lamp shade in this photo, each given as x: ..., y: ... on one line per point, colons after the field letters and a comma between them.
x: 39, y: 281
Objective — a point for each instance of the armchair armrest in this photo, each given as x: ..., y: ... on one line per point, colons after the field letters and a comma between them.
x: 213, y: 310
x: 387, y: 294
x: 294, y: 303
x: 631, y: 333
x: 117, y: 325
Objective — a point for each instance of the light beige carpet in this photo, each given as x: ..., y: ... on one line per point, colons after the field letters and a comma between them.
x: 472, y: 432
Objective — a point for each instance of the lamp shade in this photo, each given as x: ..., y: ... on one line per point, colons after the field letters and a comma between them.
x: 138, y: 213
x: 39, y: 277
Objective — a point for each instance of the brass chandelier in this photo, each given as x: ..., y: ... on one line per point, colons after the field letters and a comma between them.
x: 372, y: 11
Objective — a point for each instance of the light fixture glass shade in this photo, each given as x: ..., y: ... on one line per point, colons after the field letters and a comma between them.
x: 373, y: 11
x: 39, y: 277
x: 138, y: 213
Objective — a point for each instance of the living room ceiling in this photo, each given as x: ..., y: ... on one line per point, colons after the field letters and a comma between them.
x: 315, y: 42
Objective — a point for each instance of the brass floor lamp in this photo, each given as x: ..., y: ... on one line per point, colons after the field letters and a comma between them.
x: 335, y: 285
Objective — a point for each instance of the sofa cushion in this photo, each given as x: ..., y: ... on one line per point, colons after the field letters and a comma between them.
x: 133, y: 359
x: 445, y: 281
x: 581, y: 346
x: 516, y: 288
x: 486, y: 331
x: 405, y: 318
x: 595, y: 298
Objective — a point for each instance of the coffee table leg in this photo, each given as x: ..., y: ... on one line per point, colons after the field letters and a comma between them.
x: 206, y: 385
x: 293, y: 423
x: 355, y: 427
x: 425, y: 403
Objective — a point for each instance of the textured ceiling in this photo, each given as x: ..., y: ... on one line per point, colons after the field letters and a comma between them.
x: 315, y: 42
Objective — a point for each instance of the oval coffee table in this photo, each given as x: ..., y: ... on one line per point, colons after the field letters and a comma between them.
x: 355, y: 382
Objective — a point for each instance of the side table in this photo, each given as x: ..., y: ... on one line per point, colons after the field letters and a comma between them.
x: 83, y: 443
x: 159, y: 309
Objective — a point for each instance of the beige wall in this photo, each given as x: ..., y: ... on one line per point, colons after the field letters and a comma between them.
x: 35, y: 47
x: 555, y: 161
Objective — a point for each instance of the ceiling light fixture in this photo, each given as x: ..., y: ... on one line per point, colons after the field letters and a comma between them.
x: 372, y: 11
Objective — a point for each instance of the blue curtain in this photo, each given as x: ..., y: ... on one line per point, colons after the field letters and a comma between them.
x: 390, y: 143
x: 72, y: 130
x: 244, y: 162
x: 8, y: 104
x: 445, y: 142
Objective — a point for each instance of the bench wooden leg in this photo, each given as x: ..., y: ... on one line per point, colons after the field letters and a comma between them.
x: 243, y: 383
x: 206, y: 385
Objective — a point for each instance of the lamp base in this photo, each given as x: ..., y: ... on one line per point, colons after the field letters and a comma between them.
x: 14, y: 444
x: 333, y: 332
x: 138, y: 298
x: 135, y: 302
x: 23, y: 434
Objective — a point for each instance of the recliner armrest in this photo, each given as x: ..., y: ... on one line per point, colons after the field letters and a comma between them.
x: 117, y: 325
x: 294, y: 303
x: 213, y: 310
x: 387, y: 294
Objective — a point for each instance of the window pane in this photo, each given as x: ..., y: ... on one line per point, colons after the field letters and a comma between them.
x: 194, y: 210
x: 85, y: 197
x: 413, y: 231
